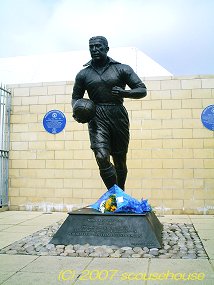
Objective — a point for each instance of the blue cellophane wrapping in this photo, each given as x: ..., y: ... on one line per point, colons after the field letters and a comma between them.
x: 126, y: 204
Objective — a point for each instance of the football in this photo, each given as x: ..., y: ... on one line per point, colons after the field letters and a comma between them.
x: 84, y: 110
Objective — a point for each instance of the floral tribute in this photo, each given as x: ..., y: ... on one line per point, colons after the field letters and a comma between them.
x: 115, y: 200
x: 110, y: 205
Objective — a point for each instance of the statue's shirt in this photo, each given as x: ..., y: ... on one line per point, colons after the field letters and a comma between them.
x: 99, y: 84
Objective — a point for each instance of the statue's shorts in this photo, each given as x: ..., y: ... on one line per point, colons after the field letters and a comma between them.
x: 110, y: 128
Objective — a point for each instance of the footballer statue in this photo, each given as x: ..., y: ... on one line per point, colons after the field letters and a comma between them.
x: 105, y: 80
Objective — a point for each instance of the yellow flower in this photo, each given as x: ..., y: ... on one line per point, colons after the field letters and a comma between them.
x: 109, y: 204
x: 113, y: 208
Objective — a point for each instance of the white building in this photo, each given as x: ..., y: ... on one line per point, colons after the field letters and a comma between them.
x: 65, y: 65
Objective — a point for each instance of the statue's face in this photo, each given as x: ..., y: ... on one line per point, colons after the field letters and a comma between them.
x: 98, y: 50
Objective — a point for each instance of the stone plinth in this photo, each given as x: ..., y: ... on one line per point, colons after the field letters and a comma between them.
x: 87, y: 225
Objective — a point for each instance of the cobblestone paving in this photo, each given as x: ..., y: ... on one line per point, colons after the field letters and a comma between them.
x: 180, y: 241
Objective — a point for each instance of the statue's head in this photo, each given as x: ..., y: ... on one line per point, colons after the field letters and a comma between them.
x: 100, y: 39
x: 98, y: 47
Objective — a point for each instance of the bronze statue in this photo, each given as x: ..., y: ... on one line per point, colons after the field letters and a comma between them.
x: 105, y: 80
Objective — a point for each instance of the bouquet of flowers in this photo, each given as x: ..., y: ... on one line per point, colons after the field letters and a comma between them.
x: 115, y: 200
x: 109, y: 205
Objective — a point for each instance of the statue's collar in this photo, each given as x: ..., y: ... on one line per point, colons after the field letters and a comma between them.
x: 110, y: 61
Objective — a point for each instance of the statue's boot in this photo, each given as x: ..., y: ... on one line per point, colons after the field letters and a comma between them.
x: 109, y: 176
x: 121, y: 177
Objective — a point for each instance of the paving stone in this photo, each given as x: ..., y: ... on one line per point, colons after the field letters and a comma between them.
x: 137, y: 249
x: 136, y: 255
x: 146, y: 249
x: 12, y: 251
x: 115, y: 255
x: 154, y: 251
x: 179, y: 241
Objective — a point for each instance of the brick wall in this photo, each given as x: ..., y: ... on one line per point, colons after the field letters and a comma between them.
x: 170, y: 157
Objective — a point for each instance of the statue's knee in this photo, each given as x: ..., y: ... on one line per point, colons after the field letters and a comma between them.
x: 102, y: 159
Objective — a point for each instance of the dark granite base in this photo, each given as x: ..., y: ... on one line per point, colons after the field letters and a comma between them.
x: 87, y: 225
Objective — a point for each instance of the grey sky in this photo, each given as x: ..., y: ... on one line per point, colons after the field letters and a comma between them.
x: 178, y: 34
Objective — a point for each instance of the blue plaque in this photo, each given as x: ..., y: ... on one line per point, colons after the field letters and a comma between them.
x: 54, y: 121
x: 207, y: 117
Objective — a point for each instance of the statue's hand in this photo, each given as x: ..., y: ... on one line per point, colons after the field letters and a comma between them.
x: 117, y: 91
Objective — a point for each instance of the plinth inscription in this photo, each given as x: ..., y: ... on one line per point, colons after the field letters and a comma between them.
x: 89, y: 226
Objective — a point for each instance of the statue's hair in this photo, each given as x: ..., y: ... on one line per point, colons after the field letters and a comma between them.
x: 103, y: 39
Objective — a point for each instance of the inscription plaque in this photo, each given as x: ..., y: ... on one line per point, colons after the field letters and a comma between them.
x: 122, y: 229
x: 54, y: 122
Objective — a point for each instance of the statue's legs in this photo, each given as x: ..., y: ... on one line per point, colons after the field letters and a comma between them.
x: 121, y: 168
x: 111, y: 174
x: 107, y: 169
x: 109, y: 136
